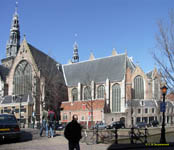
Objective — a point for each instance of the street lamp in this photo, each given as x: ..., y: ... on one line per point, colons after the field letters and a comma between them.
x: 163, y: 138
x: 132, y: 124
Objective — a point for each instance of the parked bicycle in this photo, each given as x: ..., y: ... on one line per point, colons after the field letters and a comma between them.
x: 95, y: 136
x: 138, y: 136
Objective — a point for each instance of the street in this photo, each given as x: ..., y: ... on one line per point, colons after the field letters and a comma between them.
x: 32, y: 141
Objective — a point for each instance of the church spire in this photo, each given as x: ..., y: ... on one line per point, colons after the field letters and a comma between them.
x: 75, y: 53
x: 14, y: 39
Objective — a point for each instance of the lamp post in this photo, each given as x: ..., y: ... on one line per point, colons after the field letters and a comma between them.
x: 163, y: 138
x: 132, y: 124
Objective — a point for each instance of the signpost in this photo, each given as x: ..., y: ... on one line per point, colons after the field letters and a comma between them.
x: 162, y: 107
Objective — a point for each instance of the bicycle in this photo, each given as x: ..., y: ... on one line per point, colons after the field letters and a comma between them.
x: 138, y: 136
x: 88, y: 137
x: 108, y: 136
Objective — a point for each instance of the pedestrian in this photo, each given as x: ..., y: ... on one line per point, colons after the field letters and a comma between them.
x: 44, y: 122
x: 73, y: 133
x: 51, y: 119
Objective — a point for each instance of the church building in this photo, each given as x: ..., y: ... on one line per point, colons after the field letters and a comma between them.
x: 107, y: 89
x: 30, y: 80
x: 110, y: 89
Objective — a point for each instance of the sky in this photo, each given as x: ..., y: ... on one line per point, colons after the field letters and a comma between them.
x: 97, y: 26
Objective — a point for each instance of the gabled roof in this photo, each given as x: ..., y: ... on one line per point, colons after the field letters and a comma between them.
x: 137, y: 103
x: 149, y: 74
x: 83, y: 105
x: 3, y: 72
x: 46, y: 64
x: 9, y: 99
x: 98, y: 70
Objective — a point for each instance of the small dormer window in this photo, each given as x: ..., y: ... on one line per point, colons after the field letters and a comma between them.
x: 142, y: 103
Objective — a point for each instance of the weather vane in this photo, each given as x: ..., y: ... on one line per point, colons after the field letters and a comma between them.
x: 16, y: 6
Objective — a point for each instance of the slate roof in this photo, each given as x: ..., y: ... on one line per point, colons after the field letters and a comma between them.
x: 82, y: 105
x: 9, y: 99
x: 149, y: 74
x: 137, y: 103
x: 169, y: 104
x: 98, y: 70
x: 44, y: 62
x: 3, y: 72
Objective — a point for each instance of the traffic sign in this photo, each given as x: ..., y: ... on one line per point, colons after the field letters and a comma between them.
x: 162, y: 107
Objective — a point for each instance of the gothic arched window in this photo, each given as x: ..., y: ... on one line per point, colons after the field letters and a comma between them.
x: 138, y: 87
x: 22, y: 79
x: 100, y: 91
x: 87, y: 93
x: 116, y: 98
x: 74, y: 94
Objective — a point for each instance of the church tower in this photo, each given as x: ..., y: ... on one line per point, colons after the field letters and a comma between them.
x: 14, y: 40
x: 75, y: 53
x: 13, y: 43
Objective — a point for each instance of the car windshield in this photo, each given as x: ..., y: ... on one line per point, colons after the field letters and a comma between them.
x: 7, y: 118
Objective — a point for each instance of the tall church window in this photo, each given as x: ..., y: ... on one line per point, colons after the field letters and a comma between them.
x: 138, y: 87
x: 87, y: 93
x: 22, y: 79
x: 100, y: 91
x: 156, y: 88
x: 116, y: 98
x: 74, y: 94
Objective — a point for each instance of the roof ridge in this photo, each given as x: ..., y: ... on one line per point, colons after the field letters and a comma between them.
x: 94, y: 59
x: 46, y: 55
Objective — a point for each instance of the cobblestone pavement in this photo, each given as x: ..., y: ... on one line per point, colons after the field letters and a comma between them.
x: 44, y: 143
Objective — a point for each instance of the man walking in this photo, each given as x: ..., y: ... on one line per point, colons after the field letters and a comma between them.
x: 51, y: 119
x: 73, y: 133
x: 44, y: 122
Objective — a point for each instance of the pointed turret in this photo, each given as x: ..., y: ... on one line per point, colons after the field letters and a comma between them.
x: 14, y: 39
x: 75, y: 53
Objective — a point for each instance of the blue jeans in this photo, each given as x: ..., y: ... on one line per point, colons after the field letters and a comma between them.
x: 51, y: 129
x: 44, y: 126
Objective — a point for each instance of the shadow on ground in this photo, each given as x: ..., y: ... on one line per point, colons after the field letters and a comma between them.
x: 25, y: 136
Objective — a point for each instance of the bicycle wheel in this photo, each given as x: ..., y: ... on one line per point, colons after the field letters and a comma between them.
x: 90, y: 140
x: 84, y: 135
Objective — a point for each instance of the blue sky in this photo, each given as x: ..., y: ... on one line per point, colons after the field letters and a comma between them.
x: 100, y: 25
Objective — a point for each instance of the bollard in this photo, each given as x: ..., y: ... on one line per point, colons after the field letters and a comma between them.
x: 132, y: 132
x: 97, y: 135
x: 116, y: 136
x: 145, y: 140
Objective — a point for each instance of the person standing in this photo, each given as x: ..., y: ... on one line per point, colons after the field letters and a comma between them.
x: 51, y: 119
x: 73, y: 133
x: 44, y: 122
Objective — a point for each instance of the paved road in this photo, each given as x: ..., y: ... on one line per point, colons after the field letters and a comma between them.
x: 32, y: 141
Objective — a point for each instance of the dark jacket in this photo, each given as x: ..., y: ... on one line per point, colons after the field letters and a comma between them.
x: 51, y: 116
x: 73, y: 131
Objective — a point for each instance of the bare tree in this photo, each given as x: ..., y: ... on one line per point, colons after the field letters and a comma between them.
x: 88, y: 97
x: 164, y: 56
x: 50, y: 89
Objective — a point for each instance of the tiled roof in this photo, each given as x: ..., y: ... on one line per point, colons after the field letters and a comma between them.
x: 170, y: 96
x: 46, y: 64
x: 82, y: 105
x: 9, y: 99
x: 137, y: 103
x: 98, y: 70
x: 149, y: 74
